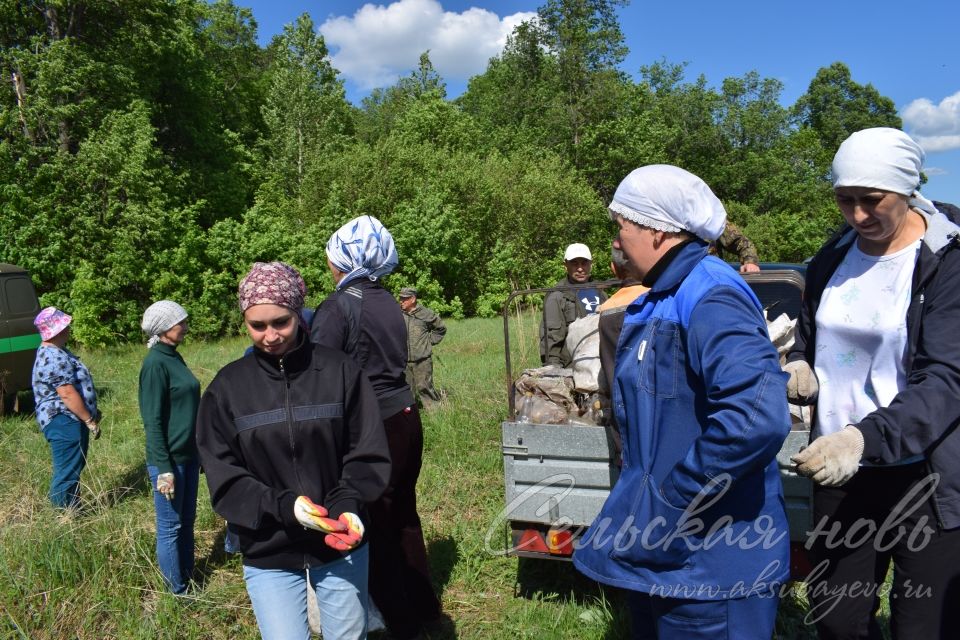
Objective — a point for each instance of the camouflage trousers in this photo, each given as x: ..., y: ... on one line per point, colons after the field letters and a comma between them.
x: 420, y: 379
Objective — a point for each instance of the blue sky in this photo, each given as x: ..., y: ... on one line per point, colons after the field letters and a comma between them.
x: 908, y: 51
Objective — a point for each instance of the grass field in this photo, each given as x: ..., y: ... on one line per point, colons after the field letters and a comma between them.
x: 93, y: 575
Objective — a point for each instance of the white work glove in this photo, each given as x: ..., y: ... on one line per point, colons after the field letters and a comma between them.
x: 802, y: 387
x: 832, y: 460
x: 165, y: 485
x: 93, y: 424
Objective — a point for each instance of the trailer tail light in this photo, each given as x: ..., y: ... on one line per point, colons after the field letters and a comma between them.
x: 560, y: 542
x: 531, y: 540
x: 536, y: 540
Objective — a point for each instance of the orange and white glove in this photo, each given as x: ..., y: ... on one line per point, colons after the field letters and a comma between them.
x: 313, y: 516
x: 350, y: 538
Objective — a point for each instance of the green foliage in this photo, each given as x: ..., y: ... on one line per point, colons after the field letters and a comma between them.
x: 585, y: 34
x: 555, y: 79
x: 616, y: 146
x: 432, y: 120
x: 517, y: 99
x: 782, y: 236
x: 687, y: 115
x: 122, y: 208
x: 383, y: 108
x: 154, y: 150
x: 468, y: 226
x: 228, y: 40
x: 835, y: 106
x: 586, y: 39
x: 305, y: 112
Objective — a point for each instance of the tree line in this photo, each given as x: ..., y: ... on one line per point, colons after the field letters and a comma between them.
x: 154, y: 150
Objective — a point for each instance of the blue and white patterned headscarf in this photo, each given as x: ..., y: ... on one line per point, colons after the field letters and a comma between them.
x: 362, y: 248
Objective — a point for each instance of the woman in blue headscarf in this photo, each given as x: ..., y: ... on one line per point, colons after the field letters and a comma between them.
x: 364, y: 320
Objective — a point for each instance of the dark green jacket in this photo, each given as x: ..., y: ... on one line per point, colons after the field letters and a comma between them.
x: 169, y: 397
x: 560, y: 308
x: 424, y: 330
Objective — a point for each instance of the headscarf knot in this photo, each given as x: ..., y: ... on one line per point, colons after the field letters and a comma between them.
x: 362, y: 248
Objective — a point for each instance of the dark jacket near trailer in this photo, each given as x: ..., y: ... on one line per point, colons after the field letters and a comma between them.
x: 923, y: 417
x: 271, y: 429
x: 560, y: 309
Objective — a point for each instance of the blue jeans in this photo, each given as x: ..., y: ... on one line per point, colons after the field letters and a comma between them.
x: 68, y: 440
x: 175, y: 520
x: 279, y: 598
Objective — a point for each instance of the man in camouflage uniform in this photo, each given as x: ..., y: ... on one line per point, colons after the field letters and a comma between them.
x: 732, y: 241
x: 424, y: 330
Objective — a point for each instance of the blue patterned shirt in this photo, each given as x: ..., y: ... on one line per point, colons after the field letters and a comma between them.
x: 54, y: 368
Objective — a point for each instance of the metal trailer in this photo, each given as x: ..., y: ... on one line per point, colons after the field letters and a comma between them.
x: 557, y: 476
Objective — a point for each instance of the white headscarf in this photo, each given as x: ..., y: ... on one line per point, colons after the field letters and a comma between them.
x: 882, y: 158
x: 159, y: 317
x: 362, y: 248
x: 668, y: 198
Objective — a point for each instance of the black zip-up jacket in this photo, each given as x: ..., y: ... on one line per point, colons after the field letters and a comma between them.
x: 365, y: 321
x: 923, y: 417
x: 271, y: 429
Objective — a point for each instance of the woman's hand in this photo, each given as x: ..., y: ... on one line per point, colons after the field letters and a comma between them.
x: 832, y: 460
x: 314, y: 516
x: 802, y: 387
x: 349, y: 539
x: 165, y: 485
x: 93, y: 423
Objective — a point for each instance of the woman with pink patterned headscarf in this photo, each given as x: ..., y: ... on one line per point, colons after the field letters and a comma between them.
x: 66, y: 402
x: 293, y: 448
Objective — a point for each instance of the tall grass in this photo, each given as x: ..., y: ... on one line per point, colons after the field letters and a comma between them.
x: 94, y: 574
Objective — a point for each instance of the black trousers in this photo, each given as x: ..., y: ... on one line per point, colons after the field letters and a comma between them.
x: 881, y: 515
x: 399, y: 571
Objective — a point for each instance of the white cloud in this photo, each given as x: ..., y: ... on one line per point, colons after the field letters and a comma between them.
x: 379, y: 44
x: 932, y: 144
x: 935, y: 126
x: 935, y: 171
